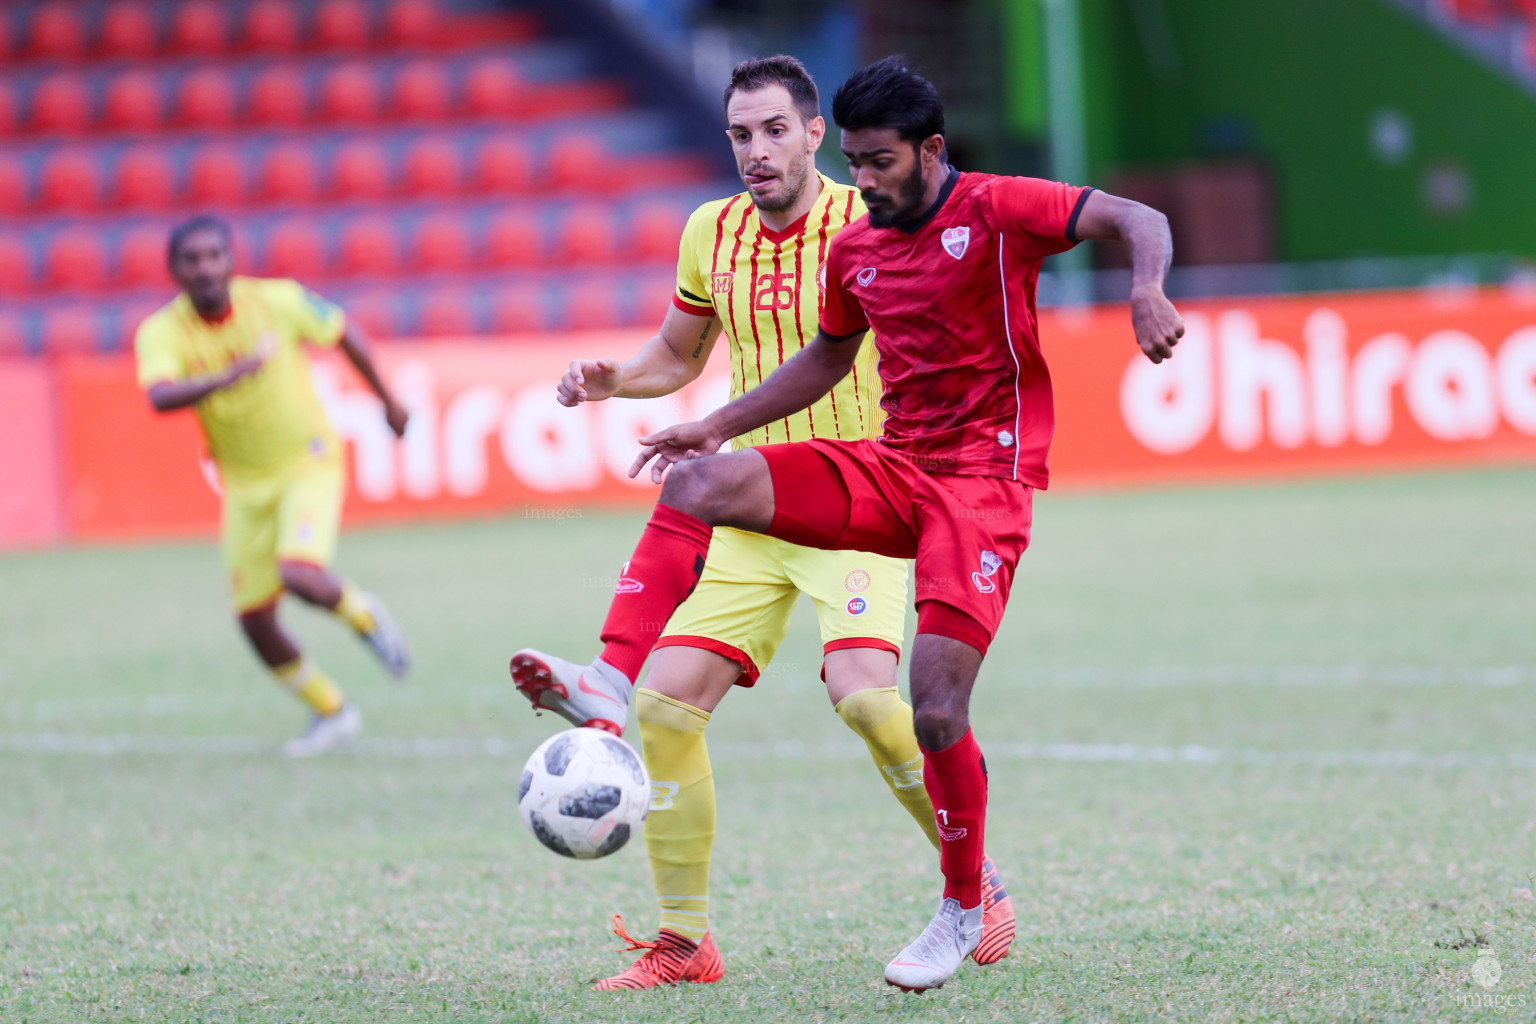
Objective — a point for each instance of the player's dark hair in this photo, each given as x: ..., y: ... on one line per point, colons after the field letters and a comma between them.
x: 192, y: 225
x: 783, y: 70
x: 888, y: 94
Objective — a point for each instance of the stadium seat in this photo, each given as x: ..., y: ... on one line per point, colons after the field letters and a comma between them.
x: 9, y: 114
x: 514, y: 240
x: 295, y: 249
x: 493, y: 88
x: 61, y: 103
x: 56, y: 31
x: 199, y: 27
x: 441, y: 243
x: 650, y: 299
x: 411, y: 23
x: 503, y: 166
x: 279, y: 96
x: 360, y: 170
x: 14, y: 195
x: 580, y: 163
x: 288, y: 174
x: 216, y: 177
x: 144, y: 180
x: 431, y: 168
x: 13, y: 337
x: 589, y: 305
x: 368, y: 246
x: 141, y: 259
x: 587, y: 235
x: 375, y: 312
x: 74, y: 261
x: 7, y: 36
x: 127, y: 29
x: 342, y: 25
x: 519, y: 309
x: 447, y: 314
x: 420, y: 90
x: 655, y: 230
x: 71, y: 329
x: 133, y: 102
x: 206, y: 99
x: 69, y: 181
x: 271, y: 26
x: 348, y: 94
x: 15, y: 265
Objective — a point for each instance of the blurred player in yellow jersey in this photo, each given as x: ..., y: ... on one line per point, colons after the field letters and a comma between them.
x: 231, y: 348
x: 750, y: 265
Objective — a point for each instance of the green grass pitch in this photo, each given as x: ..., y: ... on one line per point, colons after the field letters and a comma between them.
x: 1258, y: 753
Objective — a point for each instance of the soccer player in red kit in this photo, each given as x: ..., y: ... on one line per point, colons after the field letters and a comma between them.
x: 943, y: 269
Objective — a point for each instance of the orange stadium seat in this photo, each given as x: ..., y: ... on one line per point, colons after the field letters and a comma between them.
x: 580, y: 163
x: 69, y: 181
x: 411, y: 23
x: 15, y: 266
x: 342, y: 25
x: 590, y: 305
x: 133, y: 102
x: 127, y: 30
x: 71, y: 329
x: 199, y: 26
x: 360, y: 170
x: 141, y: 259
x: 441, y: 243
x: 216, y: 176
x: 503, y: 166
x: 279, y: 97
x: 57, y: 31
x: 349, y: 94
x: 8, y: 112
x: 74, y: 261
x: 514, y: 240
x: 431, y: 168
x: 271, y: 26
x: 519, y: 309
x: 295, y: 249
x: 587, y: 235
x: 61, y: 103
x: 447, y: 314
x: 420, y: 90
x: 655, y: 231
x: 13, y: 185
x: 206, y: 99
x: 493, y: 88
x: 368, y: 246
x: 144, y: 180
x: 288, y: 173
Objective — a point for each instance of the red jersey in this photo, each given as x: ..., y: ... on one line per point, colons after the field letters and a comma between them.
x: 951, y: 299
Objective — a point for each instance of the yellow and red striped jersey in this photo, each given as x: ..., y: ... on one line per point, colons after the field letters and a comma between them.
x: 766, y: 288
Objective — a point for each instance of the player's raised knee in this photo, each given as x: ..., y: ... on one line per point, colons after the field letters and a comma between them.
x: 939, y: 726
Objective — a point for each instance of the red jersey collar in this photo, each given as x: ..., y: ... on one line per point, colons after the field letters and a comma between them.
x: 793, y: 231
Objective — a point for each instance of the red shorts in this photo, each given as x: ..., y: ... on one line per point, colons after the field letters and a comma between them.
x: 966, y: 532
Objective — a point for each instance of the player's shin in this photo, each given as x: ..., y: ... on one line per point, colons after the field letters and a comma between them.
x: 956, y: 778
x: 680, y: 830
x: 884, y: 722
x: 307, y: 682
x: 657, y: 578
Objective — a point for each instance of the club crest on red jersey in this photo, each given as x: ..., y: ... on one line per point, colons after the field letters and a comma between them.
x: 956, y: 240
x: 867, y: 275
x: 821, y: 276
x: 723, y: 283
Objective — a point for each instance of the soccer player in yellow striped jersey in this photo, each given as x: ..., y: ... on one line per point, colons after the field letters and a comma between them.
x: 231, y: 349
x: 749, y: 267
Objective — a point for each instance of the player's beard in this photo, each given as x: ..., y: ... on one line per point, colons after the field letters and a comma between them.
x: 909, y: 196
x: 796, y: 178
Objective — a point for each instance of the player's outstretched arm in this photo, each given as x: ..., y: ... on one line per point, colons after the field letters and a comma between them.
x: 1144, y: 232
x: 797, y: 384
x: 170, y: 395
x: 355, y: 344
x: 674, y: 356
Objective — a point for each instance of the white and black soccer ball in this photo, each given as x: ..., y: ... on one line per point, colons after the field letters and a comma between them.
x: 584, y: 792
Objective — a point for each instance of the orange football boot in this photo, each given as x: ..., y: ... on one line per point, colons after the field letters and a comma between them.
x: 670, y: 959
x: 997, y: 920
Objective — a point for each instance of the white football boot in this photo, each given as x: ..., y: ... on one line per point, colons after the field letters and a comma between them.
x: 937, y: 953
x: 595, y: 695
x: 327, y: 733
x: 385, y: 639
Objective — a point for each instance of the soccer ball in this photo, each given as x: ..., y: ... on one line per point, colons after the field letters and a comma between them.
x: 584, y: 792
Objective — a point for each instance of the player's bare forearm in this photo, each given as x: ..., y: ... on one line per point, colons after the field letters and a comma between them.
x: 168, y: 396
x: 1149, y: 244
x: 671, y: 358
x: 354, y: 344
x: 798, y: 384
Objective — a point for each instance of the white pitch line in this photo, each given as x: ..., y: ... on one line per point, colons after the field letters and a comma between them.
x: 427, y: 747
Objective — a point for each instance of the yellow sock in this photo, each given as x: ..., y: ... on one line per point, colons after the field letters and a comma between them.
x: 680, y: 830
x: 311, y: 685
x: 884, y: 721
x: 353, y: 610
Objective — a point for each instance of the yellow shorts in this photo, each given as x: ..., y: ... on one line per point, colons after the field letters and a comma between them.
x: 291, y: 515
x: 750, y: 584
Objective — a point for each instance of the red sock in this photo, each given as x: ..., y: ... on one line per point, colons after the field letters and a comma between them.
x: 658, y: 576
x: 956, y: 780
